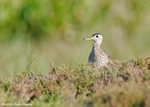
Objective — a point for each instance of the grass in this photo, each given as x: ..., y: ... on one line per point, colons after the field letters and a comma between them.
x: 123, y: 84
x: 124, y: 24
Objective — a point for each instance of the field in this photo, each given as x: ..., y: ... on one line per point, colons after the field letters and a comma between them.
x: 43, y: 58
x: 123, y: 84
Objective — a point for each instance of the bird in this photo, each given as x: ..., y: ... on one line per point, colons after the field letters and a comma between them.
x: 97, y: 56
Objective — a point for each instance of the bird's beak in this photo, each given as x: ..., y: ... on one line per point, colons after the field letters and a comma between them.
x: 87, y: 39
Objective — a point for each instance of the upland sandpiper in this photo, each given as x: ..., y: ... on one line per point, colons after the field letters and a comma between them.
x: 97, y: 56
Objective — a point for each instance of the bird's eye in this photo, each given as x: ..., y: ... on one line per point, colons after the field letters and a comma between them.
x: 97, y: 36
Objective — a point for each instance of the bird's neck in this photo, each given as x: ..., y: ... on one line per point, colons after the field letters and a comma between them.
x: 96, y: 45
x: 96, y: 48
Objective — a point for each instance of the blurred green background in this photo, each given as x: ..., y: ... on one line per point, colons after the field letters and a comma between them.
x: 35, y: 33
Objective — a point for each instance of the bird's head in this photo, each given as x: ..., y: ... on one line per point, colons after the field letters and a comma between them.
x: 97, y: 38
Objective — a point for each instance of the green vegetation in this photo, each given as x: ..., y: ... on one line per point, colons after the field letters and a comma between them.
x: 62, y: 25
x: 43, y: 58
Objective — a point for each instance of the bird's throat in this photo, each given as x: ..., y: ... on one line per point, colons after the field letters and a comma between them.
x: 96, y: 48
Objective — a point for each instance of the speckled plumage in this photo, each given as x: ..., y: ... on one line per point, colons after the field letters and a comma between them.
x: 97, y: 56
